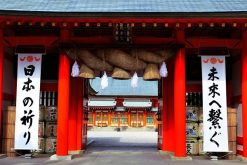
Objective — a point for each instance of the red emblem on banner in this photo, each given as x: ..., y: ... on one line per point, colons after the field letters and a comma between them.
x: 220, y: 60
x: 22, y: 59
x: 205, y: 61
x: 36, y: 59
x: 213, y: 60
x: 29, y: 58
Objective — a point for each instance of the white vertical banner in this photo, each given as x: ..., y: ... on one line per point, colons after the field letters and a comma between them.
x: 27, y: 101
x: 215, y: 133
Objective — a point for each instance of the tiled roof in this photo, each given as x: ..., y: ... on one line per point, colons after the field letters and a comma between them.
x: 123, y: 88
x: 124, y: 5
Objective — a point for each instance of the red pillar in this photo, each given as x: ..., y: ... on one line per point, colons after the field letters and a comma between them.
x: 144, y: 118
x: 63, y: 105
x: 94, y: 118
x: 80, y: 114
x: 170, y: 106
x: 1, y: 80
x: 179, y: 99
x: 129, y: 119
x: 73, y: 107
x: 244, y: 93
x: 118, y: 123
x: 109, y: 118
x: 165, y: 135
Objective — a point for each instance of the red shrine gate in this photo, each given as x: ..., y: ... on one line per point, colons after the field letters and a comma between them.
x: 15, y: 33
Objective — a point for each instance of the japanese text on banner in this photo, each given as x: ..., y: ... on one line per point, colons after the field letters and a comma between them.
x: 27, y: 101
x: 215, y: 137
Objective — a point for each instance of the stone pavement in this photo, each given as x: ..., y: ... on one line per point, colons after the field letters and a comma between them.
x: 121, y: 139
x: 118, y: 148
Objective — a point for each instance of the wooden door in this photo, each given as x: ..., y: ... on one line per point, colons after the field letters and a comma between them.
x: 104, y: 117
x: 90, y: 119
x: 150, y: 119
x: 137, y: 119
x: 123, y: 119
x: 114, y: 119
x: 101, y: 118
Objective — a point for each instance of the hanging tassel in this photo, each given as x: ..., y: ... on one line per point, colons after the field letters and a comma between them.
x: 104, y: 81
x: 163, y: 70
x: 134, y: 80
x: 75, y: 70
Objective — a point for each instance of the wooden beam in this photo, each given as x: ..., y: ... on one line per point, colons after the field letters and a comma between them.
x: 48, y: 86
x: 48, y: 41
x: 93, y: 40
x: 96, y: 19
x: 109, y: 40
x: 213, y: 42
x: 151, y: 40
x: 33, y: 40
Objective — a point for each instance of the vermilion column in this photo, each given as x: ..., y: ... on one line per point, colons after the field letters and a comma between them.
x: 179, y: 99
x: 1, y: 80
x: 170, y: 106
x: 73, y: 102
x: 101, y: 118
x: 80, y: 114
x: 109, y: 118
x: 244, y: 93
x: 129, y: 118
x: 63, y: 105
x: 94, y: 118
x: 118, y: 123
x: 155, y: 122
x: 144, y: 118
x: 165, y: 135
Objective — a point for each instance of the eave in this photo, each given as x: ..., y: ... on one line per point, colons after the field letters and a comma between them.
x: 120, y: 14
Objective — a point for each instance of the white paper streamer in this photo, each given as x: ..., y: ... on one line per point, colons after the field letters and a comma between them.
x: 134, y: 80
x: 75, y: 70
x: 104, y: 81
x: 163, y: 70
